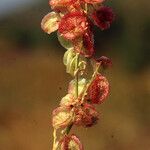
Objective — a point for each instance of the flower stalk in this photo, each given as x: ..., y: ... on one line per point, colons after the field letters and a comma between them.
x: 77, y: 75
x: 54, y: 140
x: 73, y: 20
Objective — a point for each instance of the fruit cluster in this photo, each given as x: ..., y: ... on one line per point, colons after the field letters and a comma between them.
x: 74, y: 20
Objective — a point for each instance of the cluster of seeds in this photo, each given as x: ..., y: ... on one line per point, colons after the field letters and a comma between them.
x: 74, y: 20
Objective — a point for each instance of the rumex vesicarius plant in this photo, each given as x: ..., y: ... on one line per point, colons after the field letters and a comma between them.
x: 73, y: 20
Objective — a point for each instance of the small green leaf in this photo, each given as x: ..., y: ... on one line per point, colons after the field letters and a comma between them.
x: 67, y: 44
x: 70, y: 59
x: 68, y: 56
x: 81, y: 86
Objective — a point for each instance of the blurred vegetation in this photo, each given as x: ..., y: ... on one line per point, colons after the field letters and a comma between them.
x: 33, y: 80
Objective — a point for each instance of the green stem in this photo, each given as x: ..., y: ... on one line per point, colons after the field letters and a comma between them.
x: 86, y: 8
x: 69, y: 128
x: 77, y: 75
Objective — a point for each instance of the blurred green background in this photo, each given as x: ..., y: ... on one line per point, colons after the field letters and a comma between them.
x: 33, y: 78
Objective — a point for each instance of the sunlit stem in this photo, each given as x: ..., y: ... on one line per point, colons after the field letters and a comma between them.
x: 86, y: 8
x: 54, y: 140
x: 77, y: 75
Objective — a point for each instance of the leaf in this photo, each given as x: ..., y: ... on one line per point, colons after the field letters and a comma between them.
x: 62, y: 117
x: 71, y: 66
x: 69, y: 61
x: 81, y: 86
x: 67, y: 44
x: 67, y: 100
x: 50, y: 22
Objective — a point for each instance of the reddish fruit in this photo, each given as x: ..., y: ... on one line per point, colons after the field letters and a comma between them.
x: 105, y: 61
x: 93, y: 1
x: 86, y: 115
x: 73, y: 25
x: 103, y: 17
x: 98, y: 90
x: 62, y: 5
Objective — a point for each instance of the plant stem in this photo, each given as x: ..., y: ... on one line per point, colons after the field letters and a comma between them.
x: 86, y: 8
x: 69, y: 128
x: 77, y: 75
x: 54, y: 139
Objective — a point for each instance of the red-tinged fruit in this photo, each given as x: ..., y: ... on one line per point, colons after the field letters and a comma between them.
x: 71, y: 142
x: 103, y: 17
x: 98, y: 90
x: 73, y: 25
x: 85, y: 45
x: 93, y: 1
x: 65, y: 5
x: 105, y: 61
x: 61, y: 4
x: 88, y: 44
x: 86, y: 115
